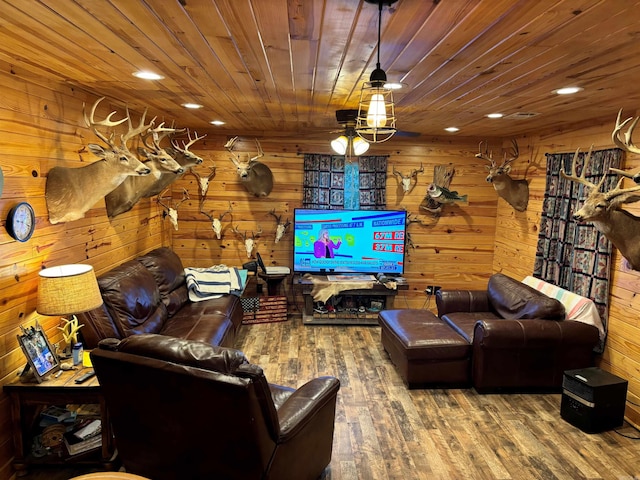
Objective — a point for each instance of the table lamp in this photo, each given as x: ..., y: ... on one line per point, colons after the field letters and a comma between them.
x: 67, y: 290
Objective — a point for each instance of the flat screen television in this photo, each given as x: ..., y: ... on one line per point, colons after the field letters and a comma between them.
x: 349, y: 241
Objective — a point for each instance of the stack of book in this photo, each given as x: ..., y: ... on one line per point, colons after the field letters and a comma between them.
x: 85, y: 436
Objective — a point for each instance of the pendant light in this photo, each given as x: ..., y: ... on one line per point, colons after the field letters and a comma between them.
x: 376, y: 120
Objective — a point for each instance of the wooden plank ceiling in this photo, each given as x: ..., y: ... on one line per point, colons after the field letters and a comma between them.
x: 283, y: 67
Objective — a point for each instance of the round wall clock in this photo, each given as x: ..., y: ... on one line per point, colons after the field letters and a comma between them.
x: 21, y: 222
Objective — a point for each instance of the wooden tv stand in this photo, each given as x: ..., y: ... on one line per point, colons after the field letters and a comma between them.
x: 348, y: 313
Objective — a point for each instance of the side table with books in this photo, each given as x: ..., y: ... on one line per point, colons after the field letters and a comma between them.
x: 60, y: 421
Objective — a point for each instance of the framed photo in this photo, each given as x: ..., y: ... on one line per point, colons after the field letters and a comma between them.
x: 41, y: 357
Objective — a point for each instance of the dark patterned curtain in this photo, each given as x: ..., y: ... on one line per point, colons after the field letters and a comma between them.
x: 330, y: 182
x: 571, y: 255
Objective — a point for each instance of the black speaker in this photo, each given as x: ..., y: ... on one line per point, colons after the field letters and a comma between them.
x: 593, y: 400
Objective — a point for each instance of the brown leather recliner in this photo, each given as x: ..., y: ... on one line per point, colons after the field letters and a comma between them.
x: 186, y: 409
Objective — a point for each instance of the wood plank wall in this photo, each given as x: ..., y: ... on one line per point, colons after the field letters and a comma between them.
x: 517, y: 234
x: 452, y: 250
x: 41, y: 126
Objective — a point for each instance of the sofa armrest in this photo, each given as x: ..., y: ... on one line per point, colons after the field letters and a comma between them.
x: 303, y: 404
x: 450, y: 301
x: 533, y: 333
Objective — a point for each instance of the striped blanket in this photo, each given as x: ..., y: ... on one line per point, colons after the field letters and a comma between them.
x: 578, y: 308
x: 213, y: 282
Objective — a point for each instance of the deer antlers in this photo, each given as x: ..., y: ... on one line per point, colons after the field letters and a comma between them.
x: 216, y: 223
x: 249, y: 242
x: 172, y: 212
x: 405, y: 180
x: 282, y: 227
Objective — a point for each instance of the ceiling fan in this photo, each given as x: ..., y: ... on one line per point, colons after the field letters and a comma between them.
x: 350, y: 143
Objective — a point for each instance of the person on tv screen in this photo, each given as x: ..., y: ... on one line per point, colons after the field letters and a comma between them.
x: 324, y: 246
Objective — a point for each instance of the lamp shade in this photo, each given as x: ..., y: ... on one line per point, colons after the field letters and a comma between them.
x: 340, y: 145
x: 68, y: 289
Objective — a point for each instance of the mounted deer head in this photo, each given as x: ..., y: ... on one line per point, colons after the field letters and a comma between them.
x: 128, y: 193
x: 216, y: 223
x: 70, y: 192
x: 515, y: 192
x: 405, y: 180
x: 183, y: 156
x: 249, y: 242
x: 281, y: 228
x: 605, y: 212
x: 255, y: 176
x: 172, y: 212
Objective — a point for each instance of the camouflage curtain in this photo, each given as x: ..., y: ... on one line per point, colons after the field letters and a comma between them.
x: 332, y: 182
x: 571, y: 255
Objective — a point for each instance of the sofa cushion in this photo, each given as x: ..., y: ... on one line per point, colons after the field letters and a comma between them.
x: 512, y: 299
x: 166, y: 267
x: 132, y: 299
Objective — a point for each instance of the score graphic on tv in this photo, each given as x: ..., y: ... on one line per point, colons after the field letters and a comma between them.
x: 349, y: 241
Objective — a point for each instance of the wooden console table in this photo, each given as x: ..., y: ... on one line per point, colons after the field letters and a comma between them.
x: 345, y: 317
x: 29, y: 399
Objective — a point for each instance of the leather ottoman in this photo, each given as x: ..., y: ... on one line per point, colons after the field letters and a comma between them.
x: 425, y: 350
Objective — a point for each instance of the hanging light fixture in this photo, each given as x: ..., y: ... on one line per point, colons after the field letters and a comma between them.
x: 376, y: 120
x: 350, y: 143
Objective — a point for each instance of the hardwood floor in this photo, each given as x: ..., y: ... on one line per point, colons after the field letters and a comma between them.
x: 384, y: 431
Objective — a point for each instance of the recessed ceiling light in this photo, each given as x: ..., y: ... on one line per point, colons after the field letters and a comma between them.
x: 192, y: 105
x: 452, y: 129
x: 216, y: 122
x: 495, y: 115
x: 568, y: 90
x: 146, y: 75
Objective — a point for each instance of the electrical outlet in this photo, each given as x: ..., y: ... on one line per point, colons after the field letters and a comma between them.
x: 431, y: 289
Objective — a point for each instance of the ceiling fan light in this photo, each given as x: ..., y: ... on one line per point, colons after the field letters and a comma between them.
x: 359, y: 146
x: 340, y: 145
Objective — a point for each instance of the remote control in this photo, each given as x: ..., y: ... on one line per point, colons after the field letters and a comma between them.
x: 85, y: 377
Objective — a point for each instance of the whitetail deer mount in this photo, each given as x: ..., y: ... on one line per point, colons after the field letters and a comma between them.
x: 71, y: 192
x: 128, y: 193
x: 405, y: 180
x: 604, y: 210
x: 515, y: 192
x: 254, y: 175
x: 281, y: 227
x: 183, y: 156
x: 172, y: 211
x: 216, y: 223
x: 249, y: 242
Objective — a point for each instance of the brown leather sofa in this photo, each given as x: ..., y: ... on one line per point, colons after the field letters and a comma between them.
x: 185, y: 409
x: 149, y: 295
x: 507, y: 337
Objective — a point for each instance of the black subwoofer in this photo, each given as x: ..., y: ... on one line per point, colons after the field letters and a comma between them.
x: 593, y: 400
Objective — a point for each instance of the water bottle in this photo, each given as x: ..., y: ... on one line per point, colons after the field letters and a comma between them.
x: 76, y: 352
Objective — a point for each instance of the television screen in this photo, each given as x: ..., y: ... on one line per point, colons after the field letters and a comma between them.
x: 349, y: 241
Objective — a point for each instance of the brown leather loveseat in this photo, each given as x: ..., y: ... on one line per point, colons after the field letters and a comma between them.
x: 186, y: 409
x: 519, y: 336
x: 149, y: 295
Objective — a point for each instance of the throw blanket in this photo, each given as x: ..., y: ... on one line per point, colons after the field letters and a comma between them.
x: 213, y: 282
x: 323, y: 290
x: 578, y: 308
